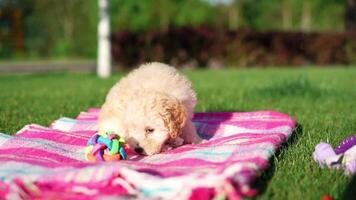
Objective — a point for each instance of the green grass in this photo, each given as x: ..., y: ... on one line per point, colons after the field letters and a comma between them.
x: 322, y: 100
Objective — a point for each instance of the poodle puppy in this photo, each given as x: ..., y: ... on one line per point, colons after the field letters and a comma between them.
x: 152, y: 108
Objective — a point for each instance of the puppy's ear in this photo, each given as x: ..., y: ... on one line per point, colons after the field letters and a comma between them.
x: 174, y: 115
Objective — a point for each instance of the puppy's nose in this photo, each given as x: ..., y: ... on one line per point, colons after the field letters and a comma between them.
x: 139, y: 150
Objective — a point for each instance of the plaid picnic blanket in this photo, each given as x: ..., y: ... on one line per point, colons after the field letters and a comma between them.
x: 48, y: 163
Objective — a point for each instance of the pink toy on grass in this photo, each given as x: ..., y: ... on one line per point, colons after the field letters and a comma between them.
x: 346, y: 144
x: 343, y: 157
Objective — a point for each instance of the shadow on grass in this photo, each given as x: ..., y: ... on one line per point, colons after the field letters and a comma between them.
x: 299, y: 87
x: 261, y: 182
x: 350, y: 192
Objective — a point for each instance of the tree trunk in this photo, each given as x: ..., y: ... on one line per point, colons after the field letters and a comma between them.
x: 162, y: 14
x: 350, y: 15
x: 286, y: 15
x: 306, y: 17
x: 104, y: 54
x: 234, y: 15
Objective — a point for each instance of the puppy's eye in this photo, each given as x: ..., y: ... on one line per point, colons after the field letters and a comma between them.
x: 149, y: 130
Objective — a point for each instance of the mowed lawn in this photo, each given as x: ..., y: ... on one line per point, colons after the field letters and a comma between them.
x: 322, y: 100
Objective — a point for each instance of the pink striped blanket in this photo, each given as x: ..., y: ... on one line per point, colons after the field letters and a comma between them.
x: 48, y: 163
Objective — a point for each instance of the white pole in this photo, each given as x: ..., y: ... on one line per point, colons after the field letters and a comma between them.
x: 104, y: 55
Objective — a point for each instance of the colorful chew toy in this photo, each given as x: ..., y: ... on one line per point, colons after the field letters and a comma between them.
x: 105, y: 146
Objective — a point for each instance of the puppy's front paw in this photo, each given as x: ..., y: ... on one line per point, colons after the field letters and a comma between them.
x: 203, y: 141
x: 176, y: 142
x: 166, y: 148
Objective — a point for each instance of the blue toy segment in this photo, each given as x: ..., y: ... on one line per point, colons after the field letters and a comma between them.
x: 105, y: 141
x: 122, y: 153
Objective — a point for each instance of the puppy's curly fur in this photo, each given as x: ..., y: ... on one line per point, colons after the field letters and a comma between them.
x: 152, y: 108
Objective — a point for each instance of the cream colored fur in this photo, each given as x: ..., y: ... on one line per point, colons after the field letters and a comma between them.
x: 152, y: 108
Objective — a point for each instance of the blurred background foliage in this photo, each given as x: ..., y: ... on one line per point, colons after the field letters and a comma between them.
x: 38, y: 29
x: 291, y: 15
